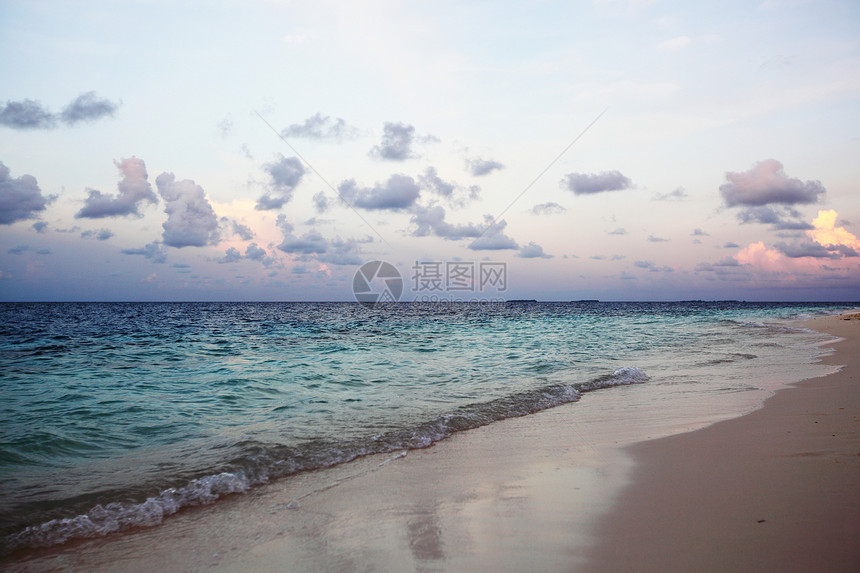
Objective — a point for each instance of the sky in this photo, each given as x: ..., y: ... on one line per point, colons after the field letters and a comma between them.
x: 266, y: 150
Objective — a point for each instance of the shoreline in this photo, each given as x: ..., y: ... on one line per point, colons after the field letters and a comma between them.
x: 558, y: 490
x: 775, y: 490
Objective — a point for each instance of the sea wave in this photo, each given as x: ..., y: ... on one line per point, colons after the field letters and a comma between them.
x: 258, y: 463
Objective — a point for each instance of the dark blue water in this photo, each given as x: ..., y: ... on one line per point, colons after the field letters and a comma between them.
x: 118, y: 415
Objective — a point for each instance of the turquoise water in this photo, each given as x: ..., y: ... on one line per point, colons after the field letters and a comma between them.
x: 118, y: 415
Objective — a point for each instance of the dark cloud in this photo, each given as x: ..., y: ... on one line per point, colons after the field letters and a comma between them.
x: 18, y: 250
x: 87, y: 107
x: 40, y: 227
x: 312, y: 245
x: 244, y: 232
x: 98, y: 234
x: 814, y: 250
x: 399, y: 192
x: 191, y: 222
x: 397, y: 140
x: 155, y: 252
x: 478, y: 166
x: 699, y: 233
x: 432, y: 182
x: 533, y: 251
x: 765, y: 184
x: 26, y: 114
x: 30, y: 114
x: 285, y: 174
x: 431, y: 221
x: 731, y: 245
x: 781, y: 217
x: 256, y: 253
x: 585, y: 184
x: 675, y: 195
x: 547, y: 209
x: 343, y: 252
x: 134, y: 189
x: 494, y: 238
x: 232, y: 255
x: 720, y: 266
x: 20, y: 198
x: 321, y: 203
x: 652, y: 267
x: 320, y: 127
x: 451, y: 192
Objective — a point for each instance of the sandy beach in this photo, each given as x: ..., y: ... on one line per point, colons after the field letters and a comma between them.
x: 776, y: 490
x: 561, y: 490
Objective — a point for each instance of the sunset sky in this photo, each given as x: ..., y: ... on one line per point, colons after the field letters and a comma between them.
x: 602, y: 149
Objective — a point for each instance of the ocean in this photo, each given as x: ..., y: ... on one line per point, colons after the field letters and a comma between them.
x: 118, y: 415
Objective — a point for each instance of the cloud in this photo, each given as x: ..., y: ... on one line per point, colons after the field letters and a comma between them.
x: 397, y: 140
x: 807, y: 249
x: 311, y: 242
x: 547, y: 209
x: 451, y: 192
x: 432, y: 182
x: 87, y: 107
x: 720, y: 266
x: 40, y: 227
x: 699, y: 233
x: 399, y: 192
x: 825, y: 232
x: 26, y: 114
x: 782, y: 218
x: 244, y: 232
x: 18, y: 250
x: 766, y: 184
x: 652, y: 267
x: 134, y: 189
x: 30, y: 114
x: 478, y: 166
x: 225, y: 126
x: 675, y: 195
x: 232, y: 255
x: 655, y: 239
x: 431, y: 221
x: 98, y: 234
x: 155, y: 252
x: 320, y: 127
x: 20, y: 198
x: 731, y: 245
x: 585, y: 184
x: 312, y: 245
x: 618, y: 231
x: 191, y: 222
x: 533, y: 251
x: 255, y: 253
x: 285, y: 174
x: 494, y: 238
x: 343, y: 252
x: 321, y: 203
